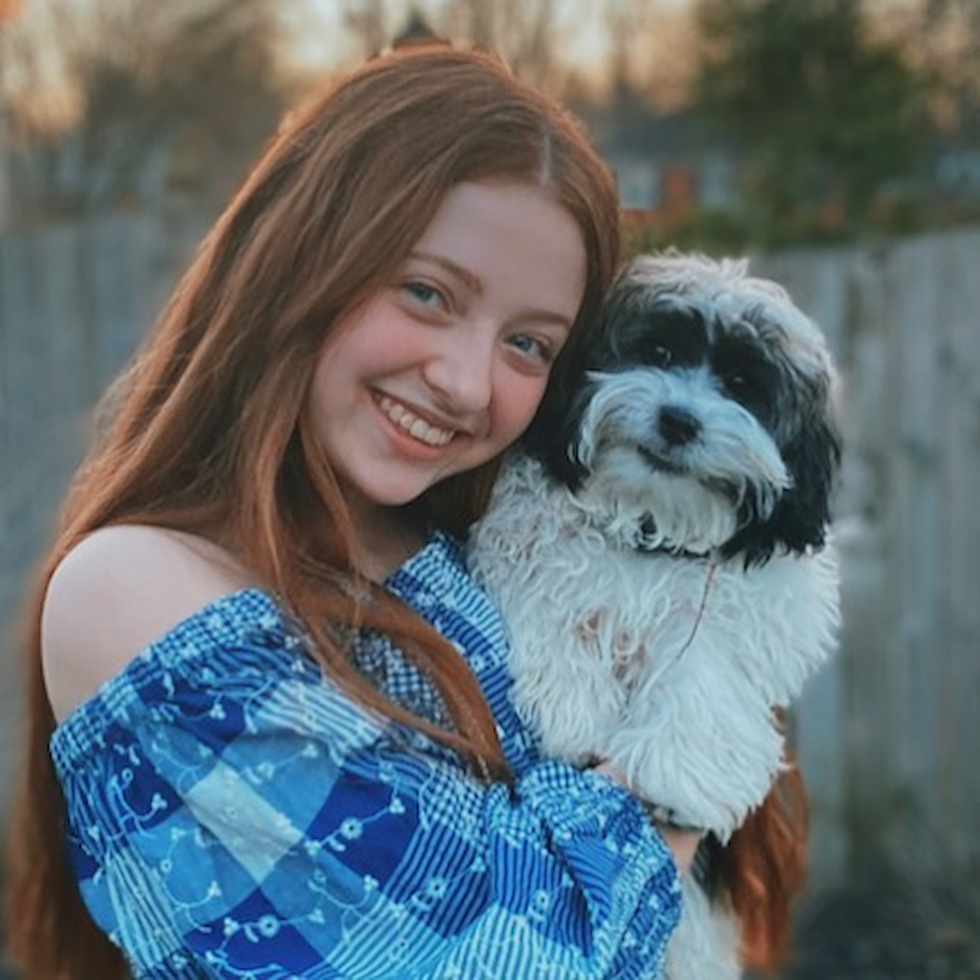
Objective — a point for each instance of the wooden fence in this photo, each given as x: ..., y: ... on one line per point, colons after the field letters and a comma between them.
x: 74, y: 301
x: 888, y: 737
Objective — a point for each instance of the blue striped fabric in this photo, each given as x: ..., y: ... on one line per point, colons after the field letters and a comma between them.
x: 232, y: 814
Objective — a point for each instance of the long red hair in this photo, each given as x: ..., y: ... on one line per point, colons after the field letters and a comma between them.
x: 762, y: 868
x: 206, y: 429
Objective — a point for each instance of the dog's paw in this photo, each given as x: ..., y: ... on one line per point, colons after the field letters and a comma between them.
x: 708, y: 786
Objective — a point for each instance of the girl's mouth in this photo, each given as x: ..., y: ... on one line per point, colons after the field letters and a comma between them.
x: 412, y: 425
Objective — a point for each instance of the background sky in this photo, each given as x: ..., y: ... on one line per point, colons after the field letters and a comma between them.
x: 580, y: 27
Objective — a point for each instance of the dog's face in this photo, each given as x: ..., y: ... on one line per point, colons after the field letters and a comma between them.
x: 699, y: 409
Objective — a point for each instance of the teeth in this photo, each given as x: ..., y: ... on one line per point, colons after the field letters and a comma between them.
x: 415, y: 427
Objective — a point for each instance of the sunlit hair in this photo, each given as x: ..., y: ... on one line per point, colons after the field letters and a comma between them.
x: 765, y: 866
x: 763, y: 869
x: 206, y: 432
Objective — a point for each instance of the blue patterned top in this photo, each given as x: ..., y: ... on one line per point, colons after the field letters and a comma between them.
x: 232, y: 814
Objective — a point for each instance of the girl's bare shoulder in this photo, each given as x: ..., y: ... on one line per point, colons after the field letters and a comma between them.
x: 117, y: 591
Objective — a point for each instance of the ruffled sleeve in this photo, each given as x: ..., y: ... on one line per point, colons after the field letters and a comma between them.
x: 232, y: 814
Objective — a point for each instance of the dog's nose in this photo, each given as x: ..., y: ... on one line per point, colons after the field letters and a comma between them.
x: 677, y: 425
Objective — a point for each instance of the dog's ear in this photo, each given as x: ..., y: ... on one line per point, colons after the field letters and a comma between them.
x: 594, y: 345
x: 802, y: 516
x: 813, y: 457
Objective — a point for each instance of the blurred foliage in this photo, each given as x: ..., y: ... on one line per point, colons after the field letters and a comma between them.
x: 825, y: 114
x: 154, y: 99
x: 725, y: 232
x: 947, y: 32
x: 832, y: 117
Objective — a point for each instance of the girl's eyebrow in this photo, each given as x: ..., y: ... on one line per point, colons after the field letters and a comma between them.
x: 469, y: 279
x: 475, y: 283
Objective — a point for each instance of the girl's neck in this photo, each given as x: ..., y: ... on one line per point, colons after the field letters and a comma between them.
x: 384, y: 538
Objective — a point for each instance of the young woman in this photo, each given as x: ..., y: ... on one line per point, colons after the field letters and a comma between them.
x: 270, y: 734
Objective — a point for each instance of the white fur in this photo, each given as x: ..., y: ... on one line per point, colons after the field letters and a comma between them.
x: 665, y: 665
x: 705, y: 944
x: 633, y: 641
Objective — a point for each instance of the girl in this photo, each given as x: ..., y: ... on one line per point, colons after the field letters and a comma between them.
x: 270, y: 734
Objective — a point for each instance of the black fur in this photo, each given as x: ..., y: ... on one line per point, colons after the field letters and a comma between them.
x: 640, y: 324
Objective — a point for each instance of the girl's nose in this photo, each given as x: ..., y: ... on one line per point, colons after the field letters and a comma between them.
x: 461, y: 370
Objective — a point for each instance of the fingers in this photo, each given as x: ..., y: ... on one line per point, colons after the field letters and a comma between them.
x: 683, y: 845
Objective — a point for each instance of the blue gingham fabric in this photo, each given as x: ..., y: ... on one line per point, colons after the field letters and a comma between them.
x: 232, y: 814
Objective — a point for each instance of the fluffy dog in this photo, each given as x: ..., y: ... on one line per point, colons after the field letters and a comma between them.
x: 659, y: 549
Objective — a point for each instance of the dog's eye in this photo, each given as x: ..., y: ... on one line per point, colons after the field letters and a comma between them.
x: 661, y: 356
x: 745, y: 388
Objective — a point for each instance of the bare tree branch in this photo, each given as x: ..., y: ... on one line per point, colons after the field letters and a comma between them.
x: 156, y: 87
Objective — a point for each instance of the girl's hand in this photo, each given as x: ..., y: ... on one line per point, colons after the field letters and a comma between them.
x: 682, y: 843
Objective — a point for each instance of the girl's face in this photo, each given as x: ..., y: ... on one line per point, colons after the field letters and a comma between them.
x: 445, y: 366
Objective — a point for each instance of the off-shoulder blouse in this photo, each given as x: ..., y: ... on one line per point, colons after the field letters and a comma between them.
x: 231, y: 813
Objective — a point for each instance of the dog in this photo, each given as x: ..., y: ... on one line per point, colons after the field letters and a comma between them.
x: 659, y: 546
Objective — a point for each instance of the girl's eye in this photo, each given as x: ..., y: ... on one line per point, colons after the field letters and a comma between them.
x: 540, y: 350
x: 424, y: 294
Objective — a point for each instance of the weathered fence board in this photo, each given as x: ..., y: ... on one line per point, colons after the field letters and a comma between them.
x: 892, y: 766
x: 74, y: 302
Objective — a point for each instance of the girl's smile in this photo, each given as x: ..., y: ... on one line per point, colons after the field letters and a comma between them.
x: 413, y: 425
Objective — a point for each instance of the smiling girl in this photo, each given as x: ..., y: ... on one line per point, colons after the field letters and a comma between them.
x: 270, y: 727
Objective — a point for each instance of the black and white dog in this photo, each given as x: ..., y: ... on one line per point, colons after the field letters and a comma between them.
x: 659, y: 549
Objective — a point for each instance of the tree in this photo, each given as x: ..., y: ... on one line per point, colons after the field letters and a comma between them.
x: 156, y: 94
x: 822, y: 111
x: 525, y: 32
x: 369, y: 22
x: 951, y: 30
